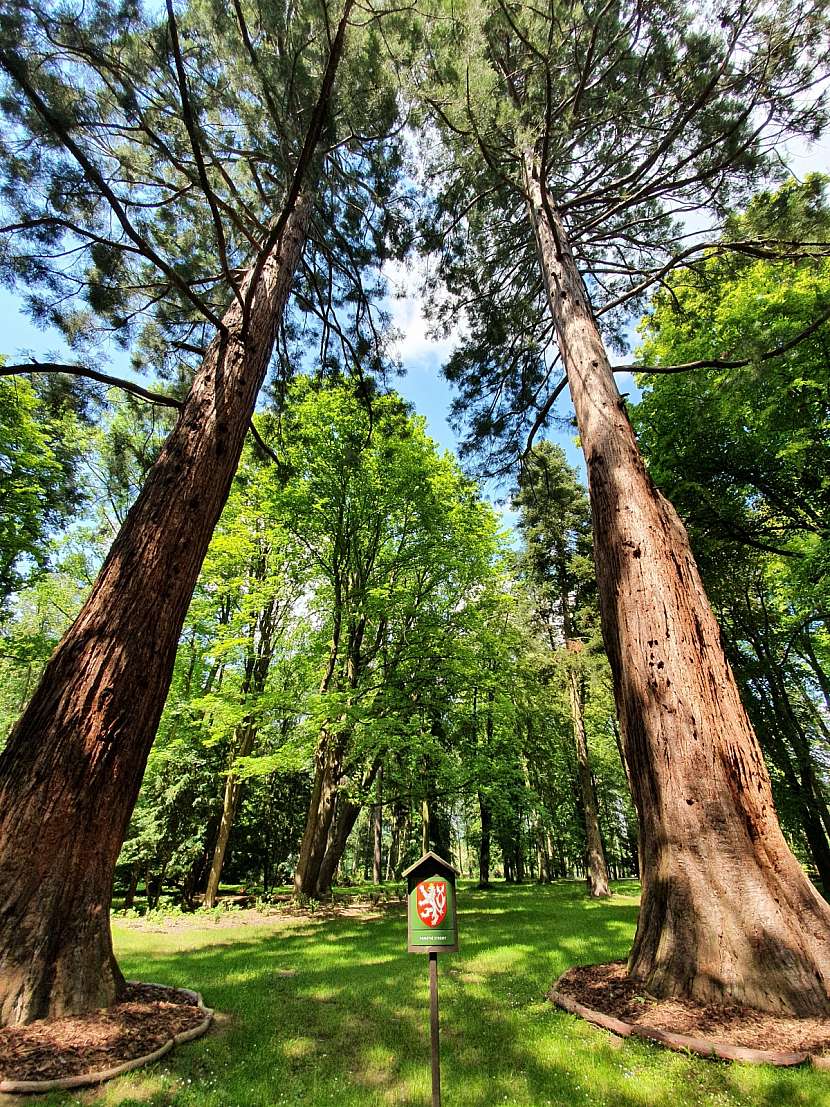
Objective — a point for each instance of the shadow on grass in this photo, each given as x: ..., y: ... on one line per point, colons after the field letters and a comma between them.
x: 335, y: 1011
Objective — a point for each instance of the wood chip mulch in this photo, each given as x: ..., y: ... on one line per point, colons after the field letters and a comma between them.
x: 609, y: 990
x: 147, y: 1016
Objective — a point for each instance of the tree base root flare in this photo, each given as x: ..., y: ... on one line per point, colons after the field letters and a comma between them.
x: 184, y: 998
x: 608, y: 998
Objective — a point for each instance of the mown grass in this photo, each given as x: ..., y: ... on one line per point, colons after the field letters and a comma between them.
x: 333, y: 1011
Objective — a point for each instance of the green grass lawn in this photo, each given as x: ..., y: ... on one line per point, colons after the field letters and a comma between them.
x: 333, y: 1011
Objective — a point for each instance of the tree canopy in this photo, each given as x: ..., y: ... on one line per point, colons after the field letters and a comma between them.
x: 346, y: 661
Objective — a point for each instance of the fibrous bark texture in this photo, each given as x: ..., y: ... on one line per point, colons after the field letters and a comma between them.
x: 727, y: 913
x: 71, y: 771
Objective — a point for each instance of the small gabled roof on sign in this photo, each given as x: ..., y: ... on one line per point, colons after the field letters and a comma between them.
x: 429, y: 856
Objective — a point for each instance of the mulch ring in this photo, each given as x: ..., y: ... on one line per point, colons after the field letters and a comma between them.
x: 86, y: 1049
x: 607, y: 997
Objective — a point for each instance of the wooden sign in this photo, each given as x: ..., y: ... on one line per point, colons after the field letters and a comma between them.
x: 432, y: 929
x: 432, y: 924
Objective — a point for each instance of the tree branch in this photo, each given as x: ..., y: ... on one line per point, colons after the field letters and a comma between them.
x: 16, y: 70
x: 725, y: 363
x: 93, y: 374
x: 192, y: 126
x: 263, y: 445
x: 312, y: 138
x: 544, y: 411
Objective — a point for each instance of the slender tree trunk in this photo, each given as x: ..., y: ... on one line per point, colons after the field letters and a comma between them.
x: 392, y: 855
x: 399, y: 821
x: 406, y: 836
x: 621, y: 752
x: 342, y: 823
x: 484, y: 849
x: 632, y: 839
x: 727, y: 914
x: 424, y: 825
x: 557, y: 851
x: 367, y: 849
x: 345, y: 817
x: 331, y: 752
x: 70, y: 774
x: 781, y: 728
x: 803, y: 792
x: 129, y: 898
x: 809, y: 654
x: 328, y: 770
x: 596, y: 867
x: 485, y: 811
x: 377, y: 832
x: 260, y: 652
x: 508, y: 867
x: 519, y: 862
x: 244, y: 743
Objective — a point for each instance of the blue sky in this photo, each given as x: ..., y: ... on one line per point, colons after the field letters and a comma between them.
x: 421, y: 356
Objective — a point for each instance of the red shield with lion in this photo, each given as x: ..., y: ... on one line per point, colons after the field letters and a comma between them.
x: 431, y: 901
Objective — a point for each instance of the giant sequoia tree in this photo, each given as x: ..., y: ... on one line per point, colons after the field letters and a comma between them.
x: 743, y: 452
x: 168, y: 181
x: 573, y: 140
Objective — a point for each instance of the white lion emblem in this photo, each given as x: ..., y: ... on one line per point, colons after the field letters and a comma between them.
x: 432, y: 901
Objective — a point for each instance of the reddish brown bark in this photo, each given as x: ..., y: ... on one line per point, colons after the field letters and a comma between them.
x: 71, y: 771
x: 73, y: 765
x: 727, y: 913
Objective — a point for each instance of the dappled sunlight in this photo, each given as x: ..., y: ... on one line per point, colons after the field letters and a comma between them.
x: 335, y: 1010
x: 296, y: 1048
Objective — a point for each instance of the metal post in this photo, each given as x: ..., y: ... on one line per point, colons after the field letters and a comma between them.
x: 433, y: 1029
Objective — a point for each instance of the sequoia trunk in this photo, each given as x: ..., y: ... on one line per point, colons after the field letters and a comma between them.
x: 727, y: 914
x: 70, y: 774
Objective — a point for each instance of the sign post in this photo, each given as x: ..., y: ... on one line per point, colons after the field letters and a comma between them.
x: 432, y: 928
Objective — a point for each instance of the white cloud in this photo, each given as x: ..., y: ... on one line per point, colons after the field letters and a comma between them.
x: 414, y: 346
